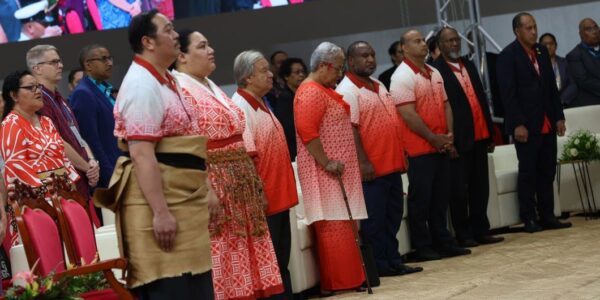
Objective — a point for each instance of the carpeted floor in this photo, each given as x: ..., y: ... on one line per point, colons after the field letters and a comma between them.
x: 557, y: 264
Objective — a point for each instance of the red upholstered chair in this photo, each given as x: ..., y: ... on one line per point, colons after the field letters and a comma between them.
x: 38, y: 228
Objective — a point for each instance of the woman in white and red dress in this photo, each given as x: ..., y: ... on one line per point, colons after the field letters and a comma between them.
x: 326, y: 150
x: 30, y: 145
x: 244, y: 261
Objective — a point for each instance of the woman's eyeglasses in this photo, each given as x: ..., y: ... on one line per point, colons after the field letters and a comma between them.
x: 32, y: 88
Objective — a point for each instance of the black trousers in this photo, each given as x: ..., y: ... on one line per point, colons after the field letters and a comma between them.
x: 470, y: 193
x: 186, y: 286
x: 537, y: 168
x: 428, y: 193
x: 384, y: 199
x: 281, y: 235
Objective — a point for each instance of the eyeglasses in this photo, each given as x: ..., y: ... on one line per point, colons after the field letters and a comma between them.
x: 54, y: 62
x: 104, y: 59
x: 339, y: 69
x: 32, y: 88
x: 591, y: 28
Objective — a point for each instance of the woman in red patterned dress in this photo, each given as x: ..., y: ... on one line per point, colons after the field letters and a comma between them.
x: 326, y: 150
x: 244, y: 261
x: 30, y: 145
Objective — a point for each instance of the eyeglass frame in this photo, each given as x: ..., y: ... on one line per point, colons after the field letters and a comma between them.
x: 103, y: 59
x: 339, y: 70
x: 54, y: 62
x: 32, y: 88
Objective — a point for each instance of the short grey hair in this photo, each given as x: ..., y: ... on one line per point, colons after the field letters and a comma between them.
x: 243, y: 66
x: 326, y: 52
x: 34, y: 55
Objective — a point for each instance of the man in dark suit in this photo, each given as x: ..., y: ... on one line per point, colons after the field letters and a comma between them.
x: 584, y: 64
x: 534, y: 116
x: 396, y: 54
x: 92, y: 104
x: 473, y: 134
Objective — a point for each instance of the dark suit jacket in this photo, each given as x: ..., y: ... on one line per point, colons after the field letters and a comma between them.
x: 568, y: 90
x: 526, y: 95
x: 585, y: 71
x: 94, y: 113
x: 386, y: 76
x: 462, y: 116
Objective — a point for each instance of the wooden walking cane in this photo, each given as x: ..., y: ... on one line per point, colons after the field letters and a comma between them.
x: 355, y: 231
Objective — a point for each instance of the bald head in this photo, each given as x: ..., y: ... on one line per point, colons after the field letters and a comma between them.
x: 589, y: 32
x: 414, y: 45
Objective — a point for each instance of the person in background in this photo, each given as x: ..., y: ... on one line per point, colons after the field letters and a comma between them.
x: 46, y: 65
x: 395, y: 52
x: 9, y: 25
x: 326, y: 154
x: 93, y: 105
x: 32, y: 15
x: 434, y: 49
x: 276, y: 60
x: 265, y: 143
x: 564, y: 83
x: 293, y: 72
x: 118, y: 13
x: 378, y: 140
x: 74, y: 78
x: 584, y: 64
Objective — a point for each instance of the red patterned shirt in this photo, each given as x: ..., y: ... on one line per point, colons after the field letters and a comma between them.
x: 374, y: 113
x: 479, y: 123
x: 149, y: 106
x: 320, y: 112
x: 28, y: 150
x: 426, y: 91
x: 265, y: 141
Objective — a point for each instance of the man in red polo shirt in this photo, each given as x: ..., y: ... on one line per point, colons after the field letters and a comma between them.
x: 418, y: 92
x: 381, y: 157
x: 534, y: 116
x: 265, y: 142
x: 472, y: 138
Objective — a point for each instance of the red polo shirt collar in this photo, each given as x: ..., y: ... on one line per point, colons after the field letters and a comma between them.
x: 426, y: 74
x: 360, y: 84
x: 251, y: 100
x: 169, y: 81
x: 453, y: 67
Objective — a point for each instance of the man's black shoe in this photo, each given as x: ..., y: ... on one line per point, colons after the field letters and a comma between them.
x: 453, y: 250
x: 555, y: 224
x: 426, y: 254
x: 388, y: 272
x: 403, y: 269
x: 489, y: 239
x: 468, y: 243
x: 531, y: 226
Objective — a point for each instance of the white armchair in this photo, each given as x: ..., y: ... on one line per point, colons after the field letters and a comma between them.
x: 303, y: 267
x: 503, y: 205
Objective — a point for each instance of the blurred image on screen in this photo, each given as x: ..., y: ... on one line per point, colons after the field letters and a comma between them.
x: 22, y: 20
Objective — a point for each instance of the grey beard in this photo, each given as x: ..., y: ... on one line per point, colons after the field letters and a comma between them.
x: 454, y: 55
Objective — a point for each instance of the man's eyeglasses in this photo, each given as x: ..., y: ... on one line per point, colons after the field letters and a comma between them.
x: 32, y: 88
x: 104, y: 59
x: 54, y: 62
